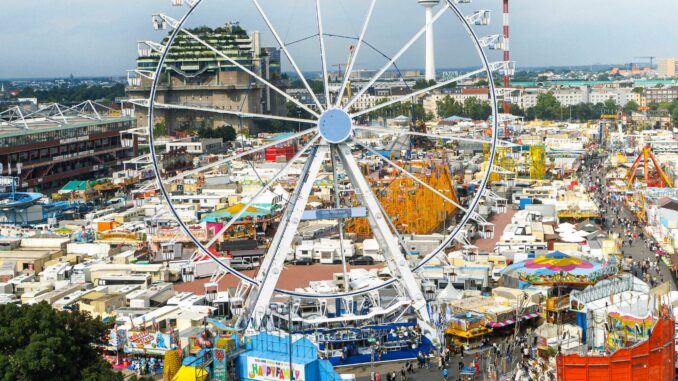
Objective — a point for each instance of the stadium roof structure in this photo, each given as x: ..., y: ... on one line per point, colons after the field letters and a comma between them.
x: 16, y: 121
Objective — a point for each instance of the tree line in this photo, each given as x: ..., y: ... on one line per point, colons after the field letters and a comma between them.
x: 74, y: 94
x: 548, y: 107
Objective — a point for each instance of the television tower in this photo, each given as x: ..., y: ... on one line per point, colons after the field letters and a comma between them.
x: 505, y: 45
x: 430, y: 53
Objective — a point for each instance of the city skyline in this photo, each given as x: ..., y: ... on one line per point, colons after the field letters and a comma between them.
x: 100, y: 39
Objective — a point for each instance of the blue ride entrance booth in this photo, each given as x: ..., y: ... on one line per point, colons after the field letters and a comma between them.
x: 267, y: 358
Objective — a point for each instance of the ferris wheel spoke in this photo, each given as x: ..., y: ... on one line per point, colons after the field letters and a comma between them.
x: 323, y: 58
x: 283, y: 47
x: 396, y: 262
x: 247, y: 115
x: 500, y: 143
x: 426, y: 90
x: 233, y: 157
x: 337, y: 204
x: 271, y: 267
x: 395, y: 58
x: 476, y: 217
x: 263, y: 189
x: 235, y: 63
x: 352, y: 59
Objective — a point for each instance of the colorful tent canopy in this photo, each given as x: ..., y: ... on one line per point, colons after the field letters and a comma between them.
x: 554, y: 263
x: 227, y: 213
x: 73, y: 185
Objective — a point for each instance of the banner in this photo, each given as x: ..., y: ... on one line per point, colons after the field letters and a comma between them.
x: 271, y: 370
x: 219, y: 364
x: 143, y: 340
x: 116, y: 338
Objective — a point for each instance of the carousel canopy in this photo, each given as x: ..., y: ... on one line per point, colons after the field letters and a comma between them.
x: 553, y: 264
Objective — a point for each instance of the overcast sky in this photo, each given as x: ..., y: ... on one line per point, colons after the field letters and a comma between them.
x: 98, y: 37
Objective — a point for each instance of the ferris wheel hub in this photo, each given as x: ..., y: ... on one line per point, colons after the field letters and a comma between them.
x: 335, y: 125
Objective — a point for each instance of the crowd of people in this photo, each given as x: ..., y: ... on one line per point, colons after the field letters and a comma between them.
x: 617, y: 219
x: 504, y: 356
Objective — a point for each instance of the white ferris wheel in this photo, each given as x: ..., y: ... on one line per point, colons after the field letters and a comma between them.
x: 335, y: 138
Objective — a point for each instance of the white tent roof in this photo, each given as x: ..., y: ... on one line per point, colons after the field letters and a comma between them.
x: 572, y: 238
x: 565, y: 227
x: 450, y: 293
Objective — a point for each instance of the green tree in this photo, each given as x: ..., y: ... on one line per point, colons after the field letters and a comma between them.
x: 630, y: 106
x: 611, y: 106
x: 476, y: 109
x: 226, y: 133
x: 40, y: 343
x: 159, y: 129
x: 401, y: 108
x: 293, y: 111
x: 584, y: 111
x: 317, y: 86
x: 674, y: 115
x: 547, y: 107
x: 422, y: 84
x: 448, y: 107
x: 514, y: 109
x: 74, y: 94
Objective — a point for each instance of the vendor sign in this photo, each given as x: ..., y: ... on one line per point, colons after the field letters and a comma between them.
x: 271, y: 370
x: 144, y: 340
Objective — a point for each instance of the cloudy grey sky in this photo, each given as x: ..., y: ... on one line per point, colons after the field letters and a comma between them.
x: 41, y: 38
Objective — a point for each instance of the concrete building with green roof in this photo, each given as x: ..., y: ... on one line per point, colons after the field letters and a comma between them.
x: 194, y: 75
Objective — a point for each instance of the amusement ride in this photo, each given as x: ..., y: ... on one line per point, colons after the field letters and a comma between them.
x: 335, y: 138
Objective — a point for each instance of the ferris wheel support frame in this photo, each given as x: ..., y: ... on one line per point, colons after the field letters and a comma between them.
x: 395, y: 259
x: 258, y: 298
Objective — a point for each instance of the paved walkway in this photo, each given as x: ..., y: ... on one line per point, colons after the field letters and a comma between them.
x: 613, y: 212
x: 485, y: 356
x: 500, y: 221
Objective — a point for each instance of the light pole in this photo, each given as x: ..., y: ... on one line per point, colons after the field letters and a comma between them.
x: 430, y: 296
x: 472, y: 256
x: 452, y: 276
x: 288, y: 308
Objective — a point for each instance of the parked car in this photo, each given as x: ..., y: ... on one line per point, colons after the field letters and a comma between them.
x: 361, y: 260
x: 302, y: 261
x: 244, y: 263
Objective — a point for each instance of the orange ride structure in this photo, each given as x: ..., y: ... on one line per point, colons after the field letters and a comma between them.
x: 656, y: 179
x: 651, y: 360
x: 413, y: 208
